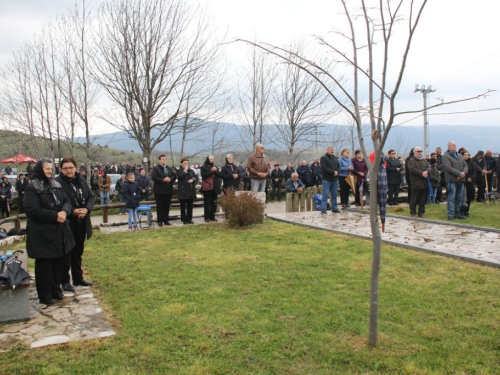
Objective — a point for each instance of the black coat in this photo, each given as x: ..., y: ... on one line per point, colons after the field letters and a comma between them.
x: 87, y: 200
x: 21, y: 186
x: 330, y: 165
x: 287, y: 173
x: 45, y: 237
x: 393, y: 175
x: 227, y: 172
x: 277, y: 174
x: 160, y: 187
x: 132, y: 193
x: 206, y: 172
x: 186, y: 191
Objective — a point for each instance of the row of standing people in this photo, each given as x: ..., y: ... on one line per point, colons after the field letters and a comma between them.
x: 457, y: 170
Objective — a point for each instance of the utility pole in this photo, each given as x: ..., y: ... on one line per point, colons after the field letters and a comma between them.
x: 425, y: 90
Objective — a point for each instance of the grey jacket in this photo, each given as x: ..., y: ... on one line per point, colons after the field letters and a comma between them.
x: 453, y: 166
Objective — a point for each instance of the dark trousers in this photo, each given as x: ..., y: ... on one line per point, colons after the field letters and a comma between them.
x: 5, y: 207
x: 490, y: 182
x: 186, y: 210
x: 145, y: 195
x: 21, y: 203
x: 481, y: 189
x: 393, y: 194
x: 209, y: 204
x: 418, y: 198
x: 345, y: 189
x: 470, y: 191
x: 48, y: 276
x: 439, y: 188
x: 278, y: 187
x: 163, y: 207
x: 73, y: 259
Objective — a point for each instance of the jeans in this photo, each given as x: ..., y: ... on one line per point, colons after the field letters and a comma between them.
x: 329, y: 189
x: 122, y: 200
x: 258, y: 185
x: 132, y: 216
x: 104, y: 194
x: 455, y: 195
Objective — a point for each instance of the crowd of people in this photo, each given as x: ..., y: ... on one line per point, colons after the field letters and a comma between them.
x: 58, y: 208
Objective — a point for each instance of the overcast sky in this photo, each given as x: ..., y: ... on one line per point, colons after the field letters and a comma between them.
x: 456, y: 49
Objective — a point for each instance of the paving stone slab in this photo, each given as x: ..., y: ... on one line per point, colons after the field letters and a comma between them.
x: 469, y: 243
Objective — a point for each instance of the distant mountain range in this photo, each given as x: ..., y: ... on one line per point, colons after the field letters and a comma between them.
x: 401, y: 138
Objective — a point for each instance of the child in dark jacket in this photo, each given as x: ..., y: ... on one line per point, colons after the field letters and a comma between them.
x: 132, y: 193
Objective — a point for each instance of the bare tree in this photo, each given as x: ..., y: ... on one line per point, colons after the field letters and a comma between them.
x: 18, y: 99
x: 205, y: 98
x: 302, y: 107
x: 254, y: 96
x: 146, y: 50
x: 376, y: 25
x: 79, y: 88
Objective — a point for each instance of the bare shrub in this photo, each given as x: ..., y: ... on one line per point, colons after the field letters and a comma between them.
x: 242, y: 209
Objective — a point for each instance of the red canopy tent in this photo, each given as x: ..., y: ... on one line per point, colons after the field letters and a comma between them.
x: 19, y: 159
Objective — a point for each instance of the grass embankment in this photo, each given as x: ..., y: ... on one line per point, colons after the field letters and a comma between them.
x: 481, y: 214
x: 275, y: 299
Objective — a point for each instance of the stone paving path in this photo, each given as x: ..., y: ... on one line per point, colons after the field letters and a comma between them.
x: 481, y: 245
x: 77, y: 317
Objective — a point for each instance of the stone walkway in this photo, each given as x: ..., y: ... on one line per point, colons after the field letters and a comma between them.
x: 77, y: 317
x: 470, y: 243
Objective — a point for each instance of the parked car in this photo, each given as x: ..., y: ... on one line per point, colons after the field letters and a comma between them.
x: 114, y: 179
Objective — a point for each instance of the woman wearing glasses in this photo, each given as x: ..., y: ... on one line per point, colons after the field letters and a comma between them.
x: 82, y: 202
x: 48, y: 235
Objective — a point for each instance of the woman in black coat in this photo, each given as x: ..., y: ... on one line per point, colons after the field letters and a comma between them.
x: 48, y: 234
x: 82, y: 201
x: 5, y: 196
x: 230, y: 174
x: 470, y: 186
x: 210, y: 187
x: 186, y: 178
x: 393, y: 178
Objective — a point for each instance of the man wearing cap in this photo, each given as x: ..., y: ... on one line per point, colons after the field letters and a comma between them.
x: 455, y: 168
x: 277, y: 180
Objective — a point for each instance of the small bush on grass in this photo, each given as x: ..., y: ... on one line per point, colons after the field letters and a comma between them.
x: 242, y: 209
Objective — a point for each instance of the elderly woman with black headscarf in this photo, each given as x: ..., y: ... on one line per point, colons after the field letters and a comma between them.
x: 48, y: 234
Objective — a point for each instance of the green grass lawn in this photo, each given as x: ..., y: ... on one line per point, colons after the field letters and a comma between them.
x: 481, y: 214
x: 275, y: 299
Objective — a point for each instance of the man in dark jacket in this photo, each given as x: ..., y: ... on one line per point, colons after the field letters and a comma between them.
x: 287, y: 173
x: 277, y: 181
x: 489, y: 166
x: 143, y: 182
x: 163, y: 177
x: 393, y: 178
x: 304, y: 173
x: 480, y: 182
x: 439, y: 165
x: 21, y: 185
x: 330, y: 169
x: 230, y: 174
x: 419, y: 171
x: 455, y: 169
